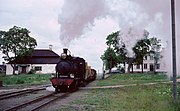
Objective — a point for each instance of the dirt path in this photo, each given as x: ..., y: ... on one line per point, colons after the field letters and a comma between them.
x: 178, y: 80
x: 93, y: 85
x: 120, y: 86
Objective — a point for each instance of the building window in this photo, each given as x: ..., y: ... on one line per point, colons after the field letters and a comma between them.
x: 151, y: 57
x: 145, y: 66
x: 157, y: 66
x: 16, y: 68
x: 145, y: 57
x: 137, y: 66
x: 38, y: 68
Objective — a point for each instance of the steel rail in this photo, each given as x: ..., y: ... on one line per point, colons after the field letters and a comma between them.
x: 51, y: 100
x: 29, y: 102
x: 17, y: 93
x: 55, y: 97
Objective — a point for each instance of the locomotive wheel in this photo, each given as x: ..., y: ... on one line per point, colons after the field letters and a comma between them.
x: 73, y: 87
x: 63, y: 89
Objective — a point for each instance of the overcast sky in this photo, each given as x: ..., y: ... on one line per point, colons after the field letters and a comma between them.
x: 83, y: 25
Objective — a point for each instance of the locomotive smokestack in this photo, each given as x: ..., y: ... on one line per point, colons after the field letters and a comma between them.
x: 65, y: 50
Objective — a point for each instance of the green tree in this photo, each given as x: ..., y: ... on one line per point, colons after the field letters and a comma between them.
x: 109, y: 58
x: 122, y: 54
x: 155, y: 50
x: 114, y: 42
x: 141, y: 49
x: 16, y: 42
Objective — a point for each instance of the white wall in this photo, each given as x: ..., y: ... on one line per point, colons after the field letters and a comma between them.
x: 163, y: 67
x: 46, y: 68
x: 9, y: 69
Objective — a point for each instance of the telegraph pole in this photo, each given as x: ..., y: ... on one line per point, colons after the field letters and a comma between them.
x: 174, y: 50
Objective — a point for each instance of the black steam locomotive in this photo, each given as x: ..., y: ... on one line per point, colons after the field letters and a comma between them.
x: 71, y: 72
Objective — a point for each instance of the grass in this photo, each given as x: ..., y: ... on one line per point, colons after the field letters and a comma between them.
x: 27, y: 79
x: 137, y: 98
x: 136, y: 78
x: 133, y: 98
x: 178, y: 76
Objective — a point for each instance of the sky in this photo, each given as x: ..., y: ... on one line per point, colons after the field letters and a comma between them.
x: 83, y: 25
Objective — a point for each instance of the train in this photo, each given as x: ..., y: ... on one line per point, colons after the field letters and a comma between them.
x: 71, y: 73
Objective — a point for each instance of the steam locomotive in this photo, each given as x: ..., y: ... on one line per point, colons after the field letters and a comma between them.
x: 71, y: 73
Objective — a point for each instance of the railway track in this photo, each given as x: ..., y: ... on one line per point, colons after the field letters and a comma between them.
x: 18, y: 93
x: 38, y: 103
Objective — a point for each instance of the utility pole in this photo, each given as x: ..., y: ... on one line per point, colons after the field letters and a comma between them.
x: 174, y: 50
x: 103, y: 71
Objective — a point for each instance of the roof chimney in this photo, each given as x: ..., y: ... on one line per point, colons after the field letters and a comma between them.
x: 50, y: 47
x: 65, y: 50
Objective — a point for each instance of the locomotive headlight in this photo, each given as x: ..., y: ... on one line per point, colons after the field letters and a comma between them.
x: 63, y: 56
x: 71, y: 75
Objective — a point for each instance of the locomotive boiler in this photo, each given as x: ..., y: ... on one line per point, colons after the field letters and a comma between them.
x: 71, y: 72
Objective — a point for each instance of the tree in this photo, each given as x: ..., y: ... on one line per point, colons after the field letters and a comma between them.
x: 141, y: 49
x: 122, y: 54
x: 155, y: 50
x: 16, y: 42
x: 109, y: 58
x: 113, y: 41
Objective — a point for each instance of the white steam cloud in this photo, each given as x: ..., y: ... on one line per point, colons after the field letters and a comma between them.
x: 132, y: 32
x: 136, y: 15
x: 78, y: 14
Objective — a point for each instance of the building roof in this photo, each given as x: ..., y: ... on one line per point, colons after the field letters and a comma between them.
x: 39, y: 56
x: 44, y: 53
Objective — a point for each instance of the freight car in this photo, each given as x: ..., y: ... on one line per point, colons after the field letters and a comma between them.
x: 71, y: 72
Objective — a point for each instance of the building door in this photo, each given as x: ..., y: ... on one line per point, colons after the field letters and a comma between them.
x: 23, y: 69
x: 151, y: 67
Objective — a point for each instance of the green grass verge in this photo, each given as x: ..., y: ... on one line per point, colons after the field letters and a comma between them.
x: 134, y: 98
x: 25, y: 79
x: 136, y: 78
